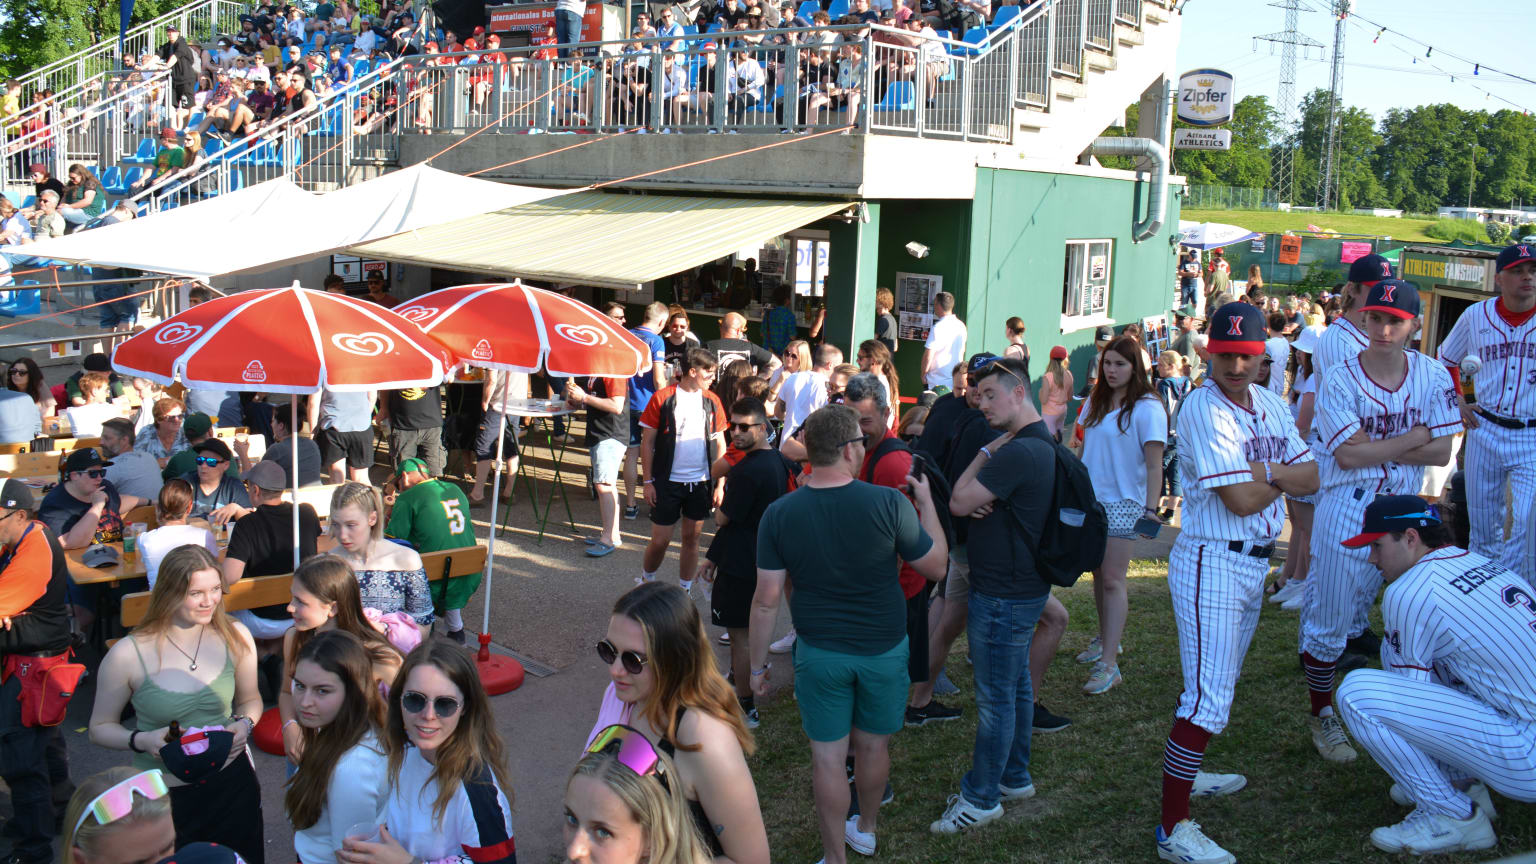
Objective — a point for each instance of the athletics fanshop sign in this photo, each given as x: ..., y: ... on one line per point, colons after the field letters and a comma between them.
x: 1206, y: 97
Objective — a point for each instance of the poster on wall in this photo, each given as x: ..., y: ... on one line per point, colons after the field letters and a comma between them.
x: 1256, y: 245
x: 1351, y: 251
x: 1290, y: 249
x: 1154, y: 330
x: 914, y: 304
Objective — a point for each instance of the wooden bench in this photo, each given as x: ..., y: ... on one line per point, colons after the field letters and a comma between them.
x: 44, y: 464
x: 258, y: 591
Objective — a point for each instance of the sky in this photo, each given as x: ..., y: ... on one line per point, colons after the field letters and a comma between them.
x: 1392, y: 72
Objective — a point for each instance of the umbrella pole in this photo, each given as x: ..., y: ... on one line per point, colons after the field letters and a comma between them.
x: 293, y: 438
x: 498, y: 672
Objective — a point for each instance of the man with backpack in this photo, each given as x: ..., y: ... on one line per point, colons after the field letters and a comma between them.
x: 1240, y: 453
x: 1007, y: 491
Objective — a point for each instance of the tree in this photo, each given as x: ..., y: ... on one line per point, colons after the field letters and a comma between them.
x: 34, y: 33
x: 1254, y: 126
x: 1356, y: 142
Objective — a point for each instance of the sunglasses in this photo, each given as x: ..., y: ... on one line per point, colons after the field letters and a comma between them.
x: 858, y: 440
x: 210, y: 461
x: 94, y: 473
x: 633, y: 750
x: 177, y: 417
x: 634, y: 661
x: 117, y: 802
x: 15, y: 372
x: 416, y: 703
x: 998, y: 365
x: 743, y: 427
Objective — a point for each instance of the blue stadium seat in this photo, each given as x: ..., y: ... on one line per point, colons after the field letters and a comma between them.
x: 112, y: 180
x: 28, y: 201
x: 131, y: 178
x: 144, y: 155
x: 23, y: 301
x: 807, y: 9
x: 837, y: 9
x: 1005, y: 14
x: 899, y: 96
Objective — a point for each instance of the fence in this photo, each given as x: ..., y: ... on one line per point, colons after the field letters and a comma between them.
x: 1318, y: 254
x: 98, y: 134
x: 1207, y: 197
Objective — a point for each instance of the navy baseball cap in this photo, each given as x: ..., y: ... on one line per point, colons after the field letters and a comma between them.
x: 1237, y: 328
x: 1369, y: 270
x: 979, y: 362
x: 1509, y: 256
x: 1393, y: 297
x: 15, y: 495
x: 1392, y: 513
x: 84, y: 459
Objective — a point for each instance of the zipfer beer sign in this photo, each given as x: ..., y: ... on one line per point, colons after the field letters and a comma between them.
x: 1206, y: 97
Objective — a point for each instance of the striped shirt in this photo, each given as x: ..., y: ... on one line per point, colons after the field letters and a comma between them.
x: 1348, y: 400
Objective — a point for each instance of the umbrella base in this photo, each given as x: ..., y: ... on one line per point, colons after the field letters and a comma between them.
x: 267, y: 734
x: 498, y: 674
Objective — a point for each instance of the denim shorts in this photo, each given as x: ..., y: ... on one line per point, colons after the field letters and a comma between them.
x: 840, y: 692
x: 607, y: 460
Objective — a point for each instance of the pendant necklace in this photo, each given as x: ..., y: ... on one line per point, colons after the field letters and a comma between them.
x: 195, y: 651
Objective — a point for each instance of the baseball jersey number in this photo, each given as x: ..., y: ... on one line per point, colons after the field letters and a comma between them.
x: 1530, y: 377
x: 1514, y: 595
x: 455, y: 517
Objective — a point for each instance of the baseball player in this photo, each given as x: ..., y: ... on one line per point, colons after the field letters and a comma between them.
x: 1452, y: 711
x: 1244, y: 452
x: 1500, y: 334
x: 1382, y: 415
x: 1345, y: 337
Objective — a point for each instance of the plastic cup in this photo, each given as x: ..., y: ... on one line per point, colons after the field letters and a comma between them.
x: 368, y: 832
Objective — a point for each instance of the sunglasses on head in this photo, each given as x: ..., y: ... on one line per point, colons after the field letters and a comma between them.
x: 117, y: 802
x: 631, y: 748
x: 634, y: 662
x: 416, y: 703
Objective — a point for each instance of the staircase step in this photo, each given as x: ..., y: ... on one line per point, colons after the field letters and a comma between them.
x: 1156, y: 14
x: 1064, y: 89
x: 1033, y: 121
x: 1099, y: 62
x: 1129, y: 35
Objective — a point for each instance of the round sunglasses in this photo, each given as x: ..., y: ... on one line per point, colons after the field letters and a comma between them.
x: 634, y: 662
x: 416, y: 703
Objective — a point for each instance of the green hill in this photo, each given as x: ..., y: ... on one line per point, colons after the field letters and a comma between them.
x: 1274, y: 221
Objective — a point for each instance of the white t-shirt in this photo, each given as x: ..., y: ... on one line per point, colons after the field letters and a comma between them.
x: 85, y: 420
x: 471, y: 830
x: 357, y: 792
x: 1114, y: 458
x: 946, y: 339
x: 1303, y: 385
x: 690, y: 457
x: 517, y: 388
x: 155, y: 545
x: 802, y: 393
x: 1279, y: 350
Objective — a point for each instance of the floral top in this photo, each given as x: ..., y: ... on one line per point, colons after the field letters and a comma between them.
x: 148, y: 441
x: 398, y: 591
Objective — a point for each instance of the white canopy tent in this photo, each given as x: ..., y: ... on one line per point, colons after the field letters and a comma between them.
x: 215, y: 237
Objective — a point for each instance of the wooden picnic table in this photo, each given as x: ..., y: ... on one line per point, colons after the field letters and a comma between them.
x: 122, y: 571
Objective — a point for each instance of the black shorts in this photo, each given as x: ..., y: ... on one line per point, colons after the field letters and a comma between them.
x: 730, y: 605
x: 634, y: 427
x: 182, y: 93
x: 690, y: 500
x: 355, y: 447
x: 917, y: 635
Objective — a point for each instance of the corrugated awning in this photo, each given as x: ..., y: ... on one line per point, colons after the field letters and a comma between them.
x: 600, y: 237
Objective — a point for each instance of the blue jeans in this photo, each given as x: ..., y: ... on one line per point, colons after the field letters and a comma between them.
x: 120, y: 312
x: 567, y: 30
x: 999, y: 630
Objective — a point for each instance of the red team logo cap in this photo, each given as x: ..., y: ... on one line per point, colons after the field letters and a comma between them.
x: 1369, y: 269
x: 1393, y: 297
x: 1392, y: 513
x: 1237, y: 328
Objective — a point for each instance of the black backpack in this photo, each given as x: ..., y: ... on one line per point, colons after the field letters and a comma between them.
x: 938, y: 485
x: 1076, y: 527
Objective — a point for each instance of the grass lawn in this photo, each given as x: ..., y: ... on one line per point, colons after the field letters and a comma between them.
x: 1275, y: 222
x: 1099, y: 781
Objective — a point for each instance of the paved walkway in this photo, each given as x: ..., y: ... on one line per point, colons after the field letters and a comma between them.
x: 550, y: 603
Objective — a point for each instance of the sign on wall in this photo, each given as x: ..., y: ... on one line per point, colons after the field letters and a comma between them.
x: 1351, y: 251
x: 1202, y: 139
x: 1206, y: 97
x: 1154, y: 331
x: 1290, y: 249
x: 914, y: 304
x: 536, y: 18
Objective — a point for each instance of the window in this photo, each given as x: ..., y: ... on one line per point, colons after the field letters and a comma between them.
x: 1085, y: 283
x: 812, y: 252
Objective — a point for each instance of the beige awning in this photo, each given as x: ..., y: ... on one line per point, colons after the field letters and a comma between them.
x: 600, y: 237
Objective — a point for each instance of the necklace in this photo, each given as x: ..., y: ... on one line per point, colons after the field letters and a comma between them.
x: 195, y: 651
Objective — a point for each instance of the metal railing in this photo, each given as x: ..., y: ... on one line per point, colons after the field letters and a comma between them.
x: 1128, y: 12
x: 1099, y: 31
x: 1068, y: 32
x: 199, y: 22
x: 101, y: 133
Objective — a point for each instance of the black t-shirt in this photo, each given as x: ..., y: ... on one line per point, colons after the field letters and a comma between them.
x: 972, y: 432
x: 264, y: 538
x: 939, y: 425
x: 885, y: 330
x: 677, y: 353
x: 415, y: 408
x: 603, y: 425
x: 758, y: 480
x: 61, y: 510
x: 51, y: 183
x: 1020, y: 474
x: 728, y: 350
x: 185, y: 70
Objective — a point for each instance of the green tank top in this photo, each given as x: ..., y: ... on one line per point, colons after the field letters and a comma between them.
x: 155, y: 707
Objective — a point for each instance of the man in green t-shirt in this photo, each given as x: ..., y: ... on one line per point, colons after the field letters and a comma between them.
x: 197, y: 428
x: 433, y: 515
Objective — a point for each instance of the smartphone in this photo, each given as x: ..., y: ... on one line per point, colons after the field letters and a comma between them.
x: 1147, y: 527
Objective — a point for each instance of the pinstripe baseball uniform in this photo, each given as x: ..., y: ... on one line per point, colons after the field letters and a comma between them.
x: 1217, y: 591
x: 1505, y: 386
x: 1456, y: 697
x: 1341, y: 582
x: 1340, y: 341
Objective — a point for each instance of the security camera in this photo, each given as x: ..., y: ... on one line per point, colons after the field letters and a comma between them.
x: 917, y: 250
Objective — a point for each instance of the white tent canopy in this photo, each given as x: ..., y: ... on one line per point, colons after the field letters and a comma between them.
x: 216, y: 237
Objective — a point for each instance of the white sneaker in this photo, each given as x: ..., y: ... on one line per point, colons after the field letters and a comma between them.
x: 1015, y: 793
x: 785, y: 645
x: 1477, y: 792
x: 687, y: 586
x: 1329, y: 738
x: 724, y: 638
x: 862, y: 842
x: 1189, y: 845
x: 1103, y: 677
x: 1291, y: 588
x: 1211, y: 785
x: 961, y: 816
x: 1423, y: 833
x: 1095, y: 651
x: 1294, y: 603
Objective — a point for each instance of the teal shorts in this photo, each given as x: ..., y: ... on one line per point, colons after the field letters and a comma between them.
x: 839, y: 692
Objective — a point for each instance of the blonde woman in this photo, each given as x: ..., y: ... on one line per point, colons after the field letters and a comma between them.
x: 390, y: 575
x: 190, y: 664
x: 623, y: 807
x: 119, y: 816
x: 1056, y: 391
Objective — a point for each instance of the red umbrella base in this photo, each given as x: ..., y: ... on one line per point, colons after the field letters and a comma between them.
x: 498, y: 674
x: 268, y: 734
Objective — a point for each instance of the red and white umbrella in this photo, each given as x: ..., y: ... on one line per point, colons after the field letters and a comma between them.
x: 512, y: 327
x: 285, y: 340
x: 517, y: 328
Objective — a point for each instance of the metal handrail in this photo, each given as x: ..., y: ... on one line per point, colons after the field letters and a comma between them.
x: 70, y: 138
x: 198, y: 21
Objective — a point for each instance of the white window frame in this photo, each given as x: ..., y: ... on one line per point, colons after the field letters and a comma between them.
x: 1075, y: 284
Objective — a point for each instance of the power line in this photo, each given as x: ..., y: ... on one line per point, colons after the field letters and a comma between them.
x: 1477, y: 66
x: 1426, y: 61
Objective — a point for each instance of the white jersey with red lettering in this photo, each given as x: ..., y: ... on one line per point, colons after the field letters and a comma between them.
x: 1348, y: 400
x: 1505, y: 385
x: 1220, y: 438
